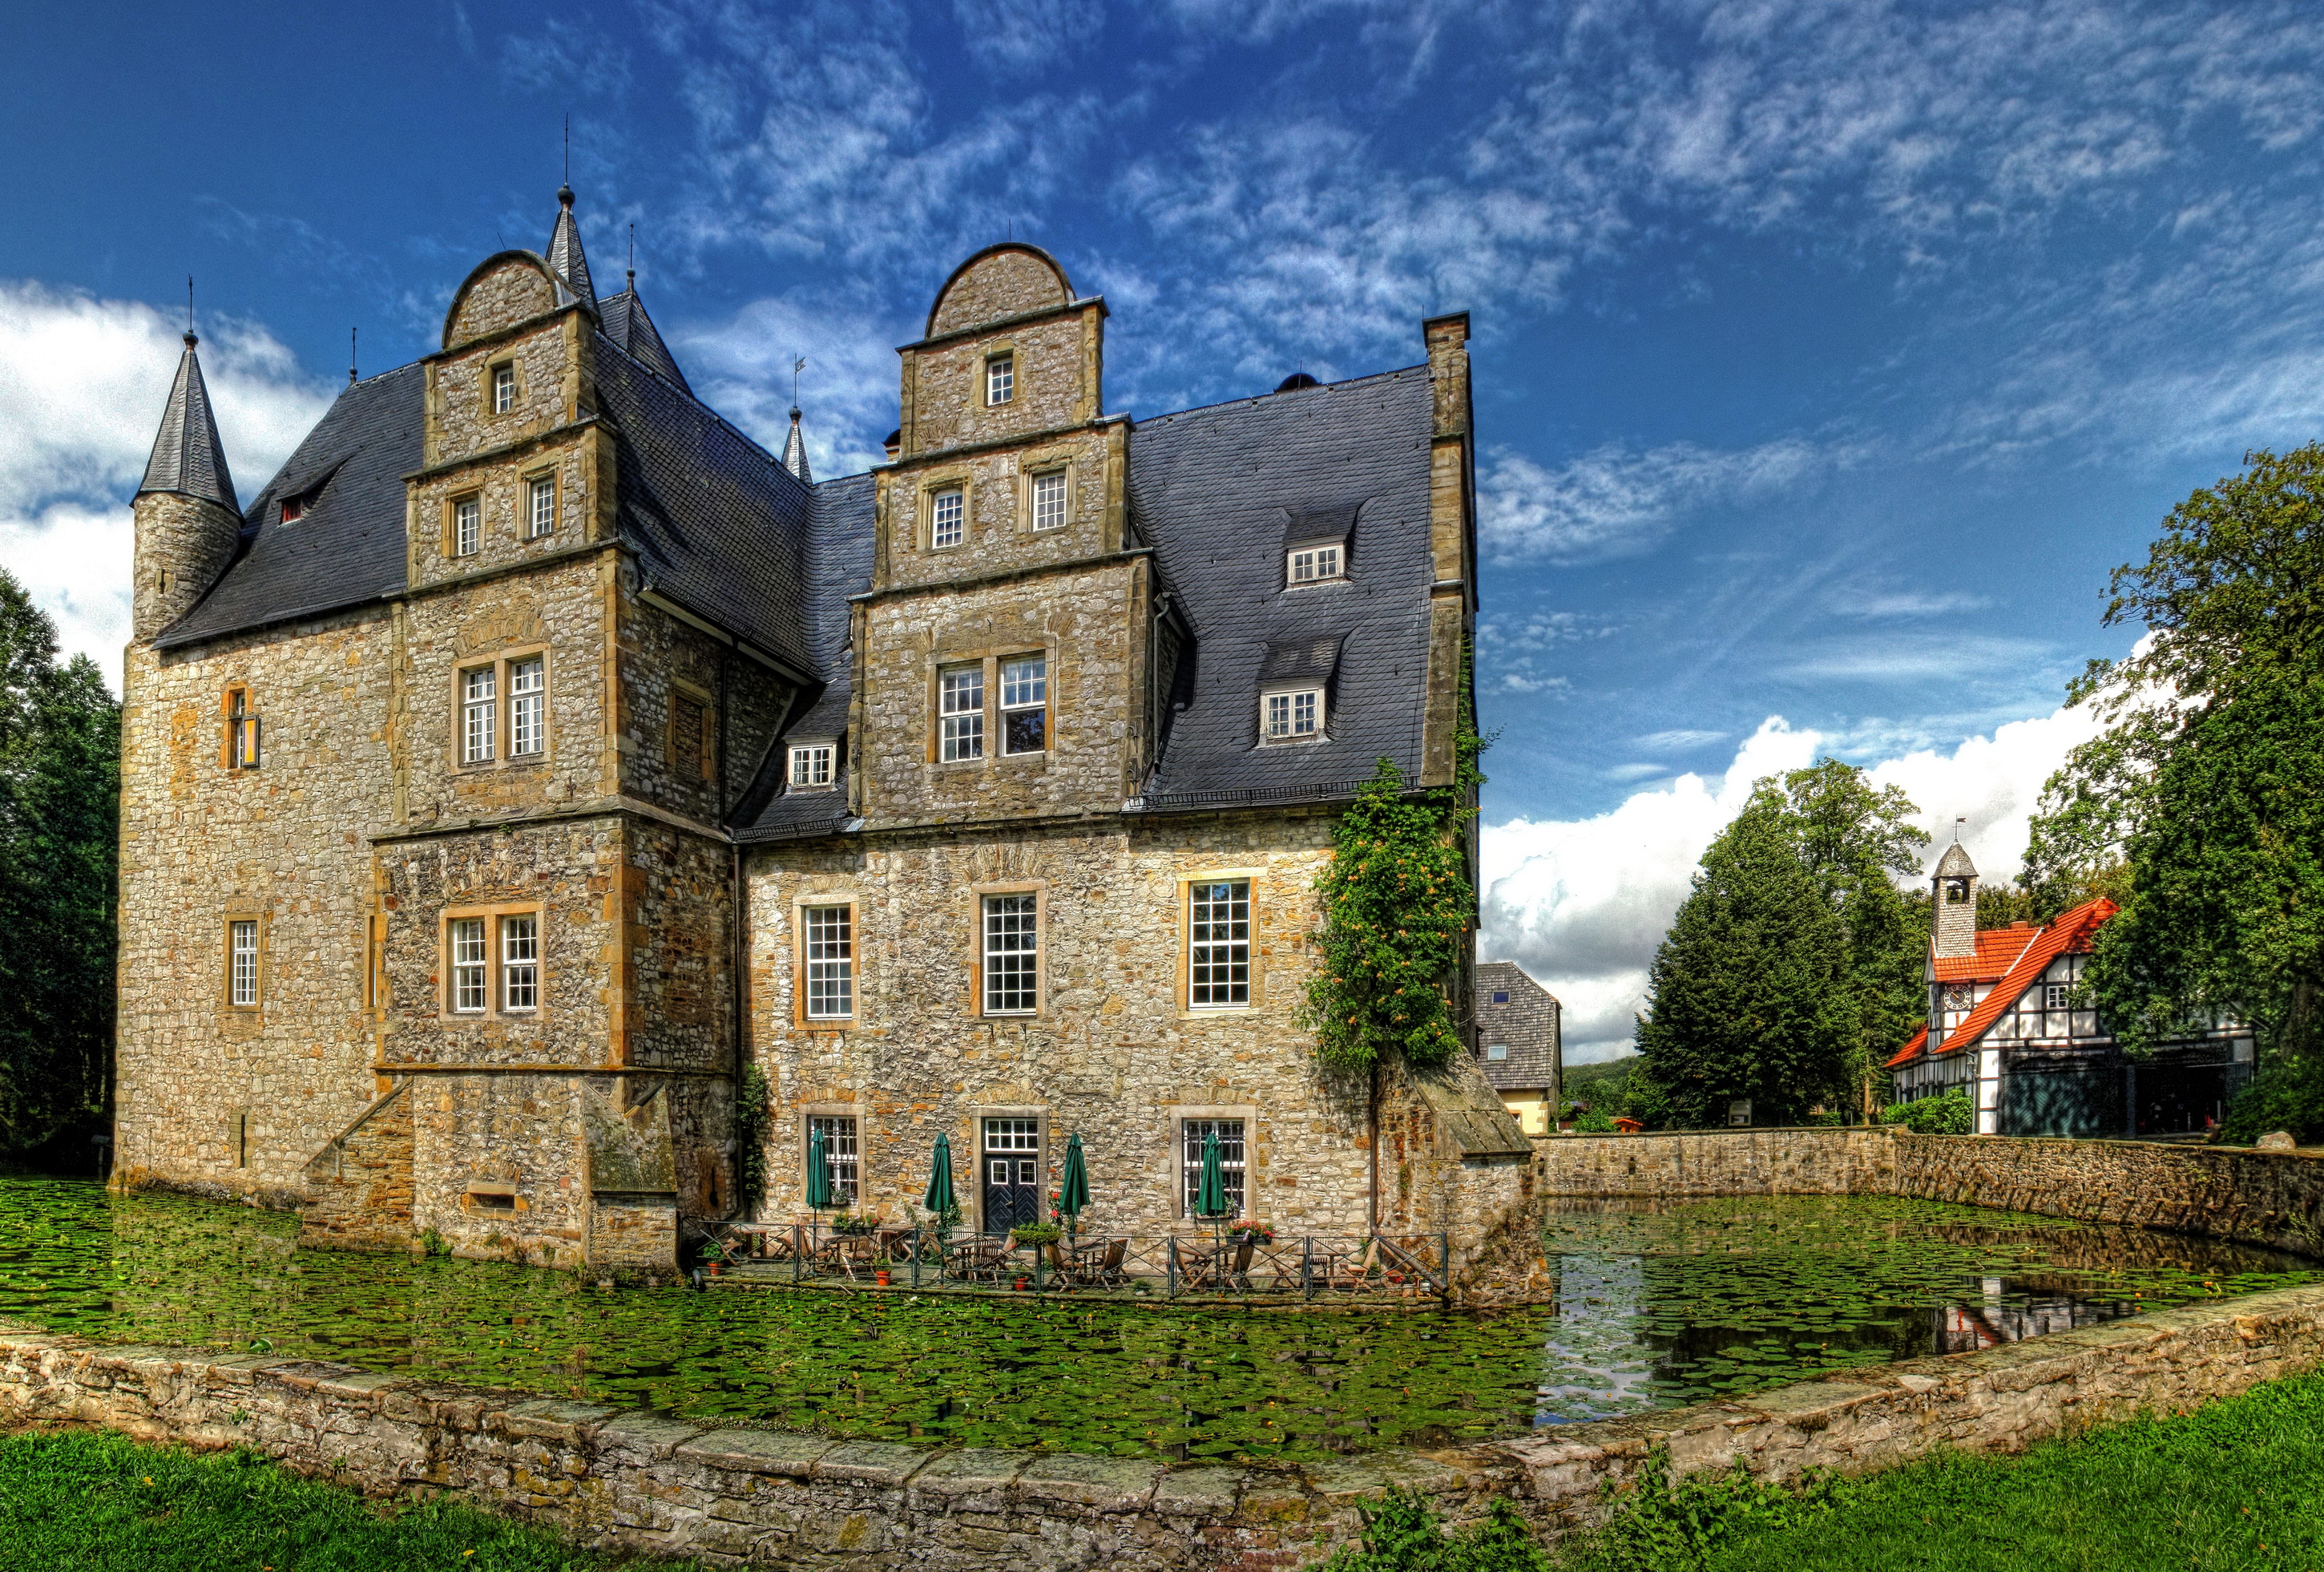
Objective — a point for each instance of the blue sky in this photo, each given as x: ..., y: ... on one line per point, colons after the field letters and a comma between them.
x: 1828, y: 356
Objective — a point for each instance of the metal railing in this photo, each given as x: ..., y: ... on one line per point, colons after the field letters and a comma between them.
x: 1165, y: 1266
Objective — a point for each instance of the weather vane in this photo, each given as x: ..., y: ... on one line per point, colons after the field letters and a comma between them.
x: 797, y: 366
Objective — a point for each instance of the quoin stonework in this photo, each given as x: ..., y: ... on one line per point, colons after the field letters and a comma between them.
x: 537, y: 753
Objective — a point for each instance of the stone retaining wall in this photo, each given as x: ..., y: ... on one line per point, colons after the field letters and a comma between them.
x: 646, y: 1482
x: 1820, y: 1161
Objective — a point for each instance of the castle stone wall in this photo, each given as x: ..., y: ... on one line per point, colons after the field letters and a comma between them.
x: 1005, y: 284
x: 512, y: 293
x: 999, y: 534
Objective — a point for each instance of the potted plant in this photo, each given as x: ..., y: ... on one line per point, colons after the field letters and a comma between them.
x: 1036, y: 1235
x: 1252, y: 1234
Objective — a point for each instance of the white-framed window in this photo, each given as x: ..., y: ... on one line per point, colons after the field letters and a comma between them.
x: 528, y: 694
x: 1025, y: 704
x: 1049, y: 500
x: 2057, y: 995
x: 521, y: 962
x: 1495, y: 1052
x: 960, y: 706
x: 1231, y: 1161
x: 503, y: 389
x: 242, y: 962
x: 467, y: 526
x: 1013, y: 955
x: 469, y: 965
x: 1313, y: 564
x: 1218, y: 944
x: 842, y: 1157
x: 479, y: 715
x: 999, y: 379
x: 1290, y: 716
x: 811, y: 765
x: 540, y: 506
x: 828, y: 934
x: 947, y: 517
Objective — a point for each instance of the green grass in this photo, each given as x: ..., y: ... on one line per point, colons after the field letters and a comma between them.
x: 71, y: 1500
x: 2239, y: 1484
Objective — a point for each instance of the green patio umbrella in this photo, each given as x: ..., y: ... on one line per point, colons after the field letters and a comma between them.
x: 939, y: 1197
x: 819, y: 1172
x: 1072, y: 1195
x: 1211, y: 1200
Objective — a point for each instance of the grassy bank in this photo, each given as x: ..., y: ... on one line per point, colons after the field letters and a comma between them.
x: 74, y: 1501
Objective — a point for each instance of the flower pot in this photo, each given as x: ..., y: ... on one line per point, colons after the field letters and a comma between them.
x: 1023, y: 1283
x: 715, y: 1268
x: 881, y: 1278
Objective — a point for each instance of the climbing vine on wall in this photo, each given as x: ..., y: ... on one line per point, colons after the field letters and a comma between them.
x: 1396, y: 904
x: 751, y: 1100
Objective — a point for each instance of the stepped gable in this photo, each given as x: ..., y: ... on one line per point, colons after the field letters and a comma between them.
x: 1217, y: 491
x: 188, y: 456
x: 346, y: 547
x: 839, y: 564
x: 719, y: 526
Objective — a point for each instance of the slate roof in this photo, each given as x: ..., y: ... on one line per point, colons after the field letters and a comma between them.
x: 1527, y: 1026
x: 1217, y: 491
x: 188, y: 456
x: 839, y: 564
x: 564, y: 257
x: 623, y: 320
x: 349, y: 546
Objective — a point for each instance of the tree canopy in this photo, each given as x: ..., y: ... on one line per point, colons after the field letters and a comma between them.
x: 60, y: 789
x: 1795, y: 959
x: 2208, y: 782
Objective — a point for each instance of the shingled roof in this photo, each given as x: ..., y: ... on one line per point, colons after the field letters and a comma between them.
x: 2071, y: 933
x: 188, y: 456
x: 623, y: 320
x: 1216, y: 491
x: 1525, y: 1023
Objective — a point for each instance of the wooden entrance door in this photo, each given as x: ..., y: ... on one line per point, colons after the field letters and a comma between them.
x: 1010, y: 1163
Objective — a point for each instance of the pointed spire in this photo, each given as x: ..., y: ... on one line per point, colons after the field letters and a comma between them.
x: 565, y: 258
x: 795, y: 450
x: 188, y: 456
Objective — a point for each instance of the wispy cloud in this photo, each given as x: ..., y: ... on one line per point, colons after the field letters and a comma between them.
x: 1614, y: 502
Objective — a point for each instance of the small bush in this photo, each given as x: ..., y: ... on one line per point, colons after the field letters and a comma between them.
x: 1404, y: 1535
x: 1662, y: 1524
x: 1593, y: 1122
x: 2288, y: 1093
x: 1947, y: 1114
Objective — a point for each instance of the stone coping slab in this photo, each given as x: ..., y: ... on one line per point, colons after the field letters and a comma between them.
x: 739, y: 1495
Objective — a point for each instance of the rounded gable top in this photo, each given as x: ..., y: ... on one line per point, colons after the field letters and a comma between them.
x: 1001, y: 280
x: 504, y: 289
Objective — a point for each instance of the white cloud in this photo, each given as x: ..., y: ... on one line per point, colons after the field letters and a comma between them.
x: 741, y: 367
x: 1582, y: 903
x: 82, y: 383
x: 1614, y: 502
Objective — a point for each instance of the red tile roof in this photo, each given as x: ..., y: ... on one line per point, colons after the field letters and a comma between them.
x: 1912, y: 1048
x: 2069, y: 934
x: 1997, y: 949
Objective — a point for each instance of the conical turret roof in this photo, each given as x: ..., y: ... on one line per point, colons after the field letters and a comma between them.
x: 564, y: 257
x: 1955, y: 863
x: 795, y: 450
x: 188, y: 456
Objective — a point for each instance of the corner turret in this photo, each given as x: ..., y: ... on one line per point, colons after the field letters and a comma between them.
x: 188, y: 520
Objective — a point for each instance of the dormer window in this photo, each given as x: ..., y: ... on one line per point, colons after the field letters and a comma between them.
x: 1316, y: 562
x: 1293, y: 716
x: 503, y: 388
x: 999, y: 379
x: 294, y: 508
x: 811, y: 765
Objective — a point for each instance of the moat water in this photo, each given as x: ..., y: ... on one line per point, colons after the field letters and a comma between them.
x: 1657, y: 1305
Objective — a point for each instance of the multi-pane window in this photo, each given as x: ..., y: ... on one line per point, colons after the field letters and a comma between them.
x: 811, y: 765
x: 242, y: 961
x: 503, y: 389
x: 999, y: 379
x: 842, y: 1158
x: 829, y: 935
x: 469, y: 966
x: 479, y: 715
x: 1292, y: 716
x: 947, y: 517
x: 521, y: 962
x: 2057, y: 995
x: 1230, y: 1161
x: 528, y: 689
x: 959, y: 707
x: 1013, y: 955
x: 241, y: 731
x: 1025, y: 705
x: 1309, y: 564
x: 1218, y: 944
x: 1049, y: 500
x: 467, y: 526
x: 540, y: 505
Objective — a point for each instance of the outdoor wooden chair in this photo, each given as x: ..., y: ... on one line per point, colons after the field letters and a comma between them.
x: 1353, y: 1273
x: 1099, y: 1264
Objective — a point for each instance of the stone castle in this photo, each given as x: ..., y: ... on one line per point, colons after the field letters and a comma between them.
x: 536, y: 754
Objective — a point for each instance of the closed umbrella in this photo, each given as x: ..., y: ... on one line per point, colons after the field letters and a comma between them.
x: 818, y: 1171
x: 1211, y: 1199
x: 939, y: 1197
x: 1072, y: 1195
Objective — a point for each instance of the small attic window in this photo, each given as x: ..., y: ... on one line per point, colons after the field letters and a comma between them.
x: 1316, y: 562
x: 811, y: 765
x: 503, y: 388
x: 1000, y: 379
x: 1294, y: 716
x: 1500, y: 996
x: 293, y: 509
x: 1294, y: 681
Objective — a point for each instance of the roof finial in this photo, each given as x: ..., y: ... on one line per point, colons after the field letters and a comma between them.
x: 351, y: 358
x: 795, y: 446
x: 797, y: 366
x: 565, y: 180
x: 1959, y: 819
x: 190, y: 339
x: 633, y: 257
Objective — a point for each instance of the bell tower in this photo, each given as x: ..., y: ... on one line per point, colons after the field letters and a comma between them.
x: 188, y: 522
x: 1955, y: 929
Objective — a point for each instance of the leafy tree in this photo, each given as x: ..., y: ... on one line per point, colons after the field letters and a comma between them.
x: 59, y: 789
x: 2210, y: 779
x: 1792, y: 967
